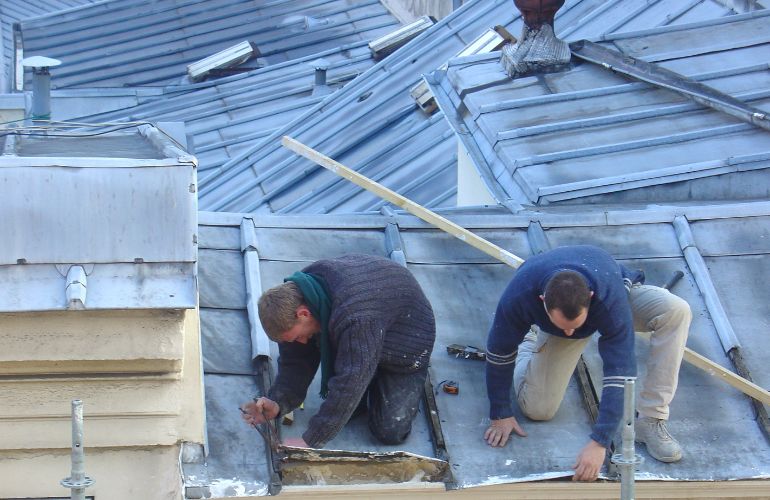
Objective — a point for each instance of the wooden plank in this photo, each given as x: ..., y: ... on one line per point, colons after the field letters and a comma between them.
x: 423, y: 213
x: 749, y: 388
x: 705, y: 364
x: 544, y: 490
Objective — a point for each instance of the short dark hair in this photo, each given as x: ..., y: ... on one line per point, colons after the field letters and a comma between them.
x: 278, y: 307
x: 568, y: 292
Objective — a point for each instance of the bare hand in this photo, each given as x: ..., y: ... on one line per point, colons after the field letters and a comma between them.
x: 296, y: 442
x: 589, y: 462
x: 259, y: 411
x: 499, y: 430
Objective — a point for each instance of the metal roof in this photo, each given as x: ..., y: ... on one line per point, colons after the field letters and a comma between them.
x: 714, y: 422
x: 226, y: 115
x: 589, y: 135
x: 150, y: 42
x: 12, y: 11
x: 365, y: 124
x: 120, y: 205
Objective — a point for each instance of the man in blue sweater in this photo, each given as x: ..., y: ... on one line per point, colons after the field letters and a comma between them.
x: 563, y: 296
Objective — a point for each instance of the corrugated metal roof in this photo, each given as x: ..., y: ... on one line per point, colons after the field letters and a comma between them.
x: 12, y: 11
x: 225, y: 116
x: 713, y: 421
x: 589, y: 135
x: 150, y: 42
x: 379, y: 113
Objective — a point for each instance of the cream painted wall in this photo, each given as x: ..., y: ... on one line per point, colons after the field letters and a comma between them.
x: 471, y: 190
x: 133, y: 421
x: 120, y: 474
x: 92, y: 342
x: 192, y: 416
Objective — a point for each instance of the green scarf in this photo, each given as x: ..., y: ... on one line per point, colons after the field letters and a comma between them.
x: 317, y: 299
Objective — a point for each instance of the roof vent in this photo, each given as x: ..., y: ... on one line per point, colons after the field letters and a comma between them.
x: 233, y: 56
x: 41, y: 85
x: 320, y: 87
x: 424, y: 98
x: 389, y: 43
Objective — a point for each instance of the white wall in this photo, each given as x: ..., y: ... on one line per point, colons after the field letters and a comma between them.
x: 471, y: 190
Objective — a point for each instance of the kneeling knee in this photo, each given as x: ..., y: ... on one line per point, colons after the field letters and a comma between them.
x: 679, y: 310
x: 538, y: 412
x: 390, y: 436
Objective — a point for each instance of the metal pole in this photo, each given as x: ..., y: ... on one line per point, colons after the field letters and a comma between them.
x: 627, y: 460
x: 41, y: 94
x: 78, y: 481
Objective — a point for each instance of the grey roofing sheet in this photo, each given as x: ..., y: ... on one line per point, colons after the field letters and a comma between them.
x: 150, y: 42
x: 713, y: 421
x: 12, y: 11
x: 365, y: 124
x: 588, y: 135
x: 225, y: 116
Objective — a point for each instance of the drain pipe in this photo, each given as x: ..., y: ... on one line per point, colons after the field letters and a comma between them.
x: 78, y: 481
x: 628, y: 459
x: 41, y: 85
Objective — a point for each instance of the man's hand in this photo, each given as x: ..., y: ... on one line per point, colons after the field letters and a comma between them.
x: 259, y: 411
x: 499, y: 430
x: 296, y: 442
x: 589, y: 462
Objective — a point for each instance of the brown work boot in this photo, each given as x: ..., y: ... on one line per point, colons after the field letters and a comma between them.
x: 660, y: 444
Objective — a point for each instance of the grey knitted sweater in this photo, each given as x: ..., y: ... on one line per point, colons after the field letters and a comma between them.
x: 380, y: 318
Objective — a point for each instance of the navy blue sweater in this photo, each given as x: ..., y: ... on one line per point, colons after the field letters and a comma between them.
x: 609, y: 313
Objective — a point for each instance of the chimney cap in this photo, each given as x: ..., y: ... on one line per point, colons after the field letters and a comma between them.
x: 40, y: 62
x: 321, y: 63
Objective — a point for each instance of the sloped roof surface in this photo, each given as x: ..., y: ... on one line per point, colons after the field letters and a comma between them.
x: 225, y: 116
x: 12, y: 11
x: 366, y: 124
x: 588, y: 135
x: 150, y: 42
x: 714, y: 422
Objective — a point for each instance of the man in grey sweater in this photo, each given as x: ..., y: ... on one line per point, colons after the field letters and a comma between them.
x: 368, y: 324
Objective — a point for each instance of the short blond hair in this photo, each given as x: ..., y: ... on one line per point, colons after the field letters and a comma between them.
x: 278, y: 309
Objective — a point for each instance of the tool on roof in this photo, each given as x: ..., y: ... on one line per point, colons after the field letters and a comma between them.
x: 466, y: 351
x: 450, y: 387
x: 746, y: 386
x: 673, y: 280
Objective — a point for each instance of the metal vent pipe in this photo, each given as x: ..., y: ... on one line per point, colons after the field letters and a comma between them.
x: 41, y: 85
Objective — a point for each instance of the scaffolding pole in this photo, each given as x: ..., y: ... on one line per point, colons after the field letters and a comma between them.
x: 627, y: 459
x: 78, y: 481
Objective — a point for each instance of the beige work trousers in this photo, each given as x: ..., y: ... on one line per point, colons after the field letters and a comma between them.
x: 545, y: 362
